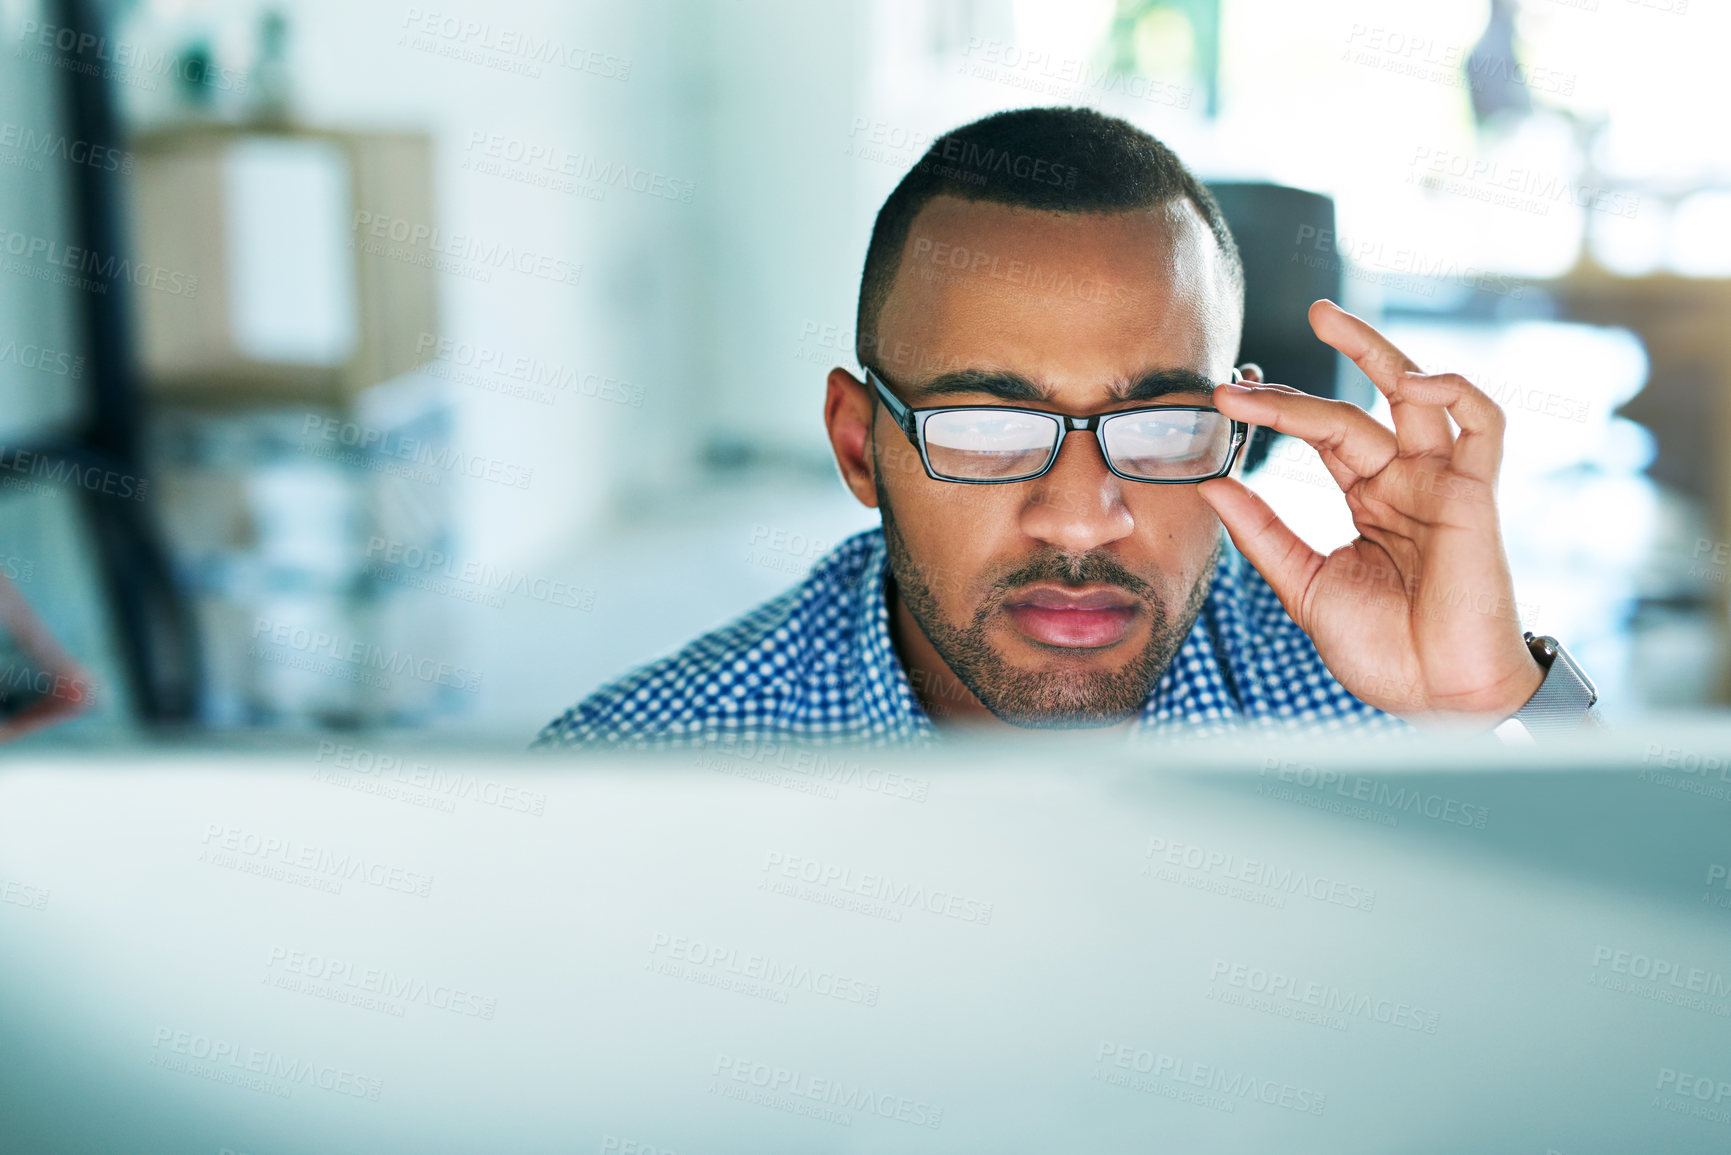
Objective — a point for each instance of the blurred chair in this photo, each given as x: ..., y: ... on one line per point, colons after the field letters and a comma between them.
x: 1286, y: 240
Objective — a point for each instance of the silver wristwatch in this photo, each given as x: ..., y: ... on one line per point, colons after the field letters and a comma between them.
x: 1563, y: 698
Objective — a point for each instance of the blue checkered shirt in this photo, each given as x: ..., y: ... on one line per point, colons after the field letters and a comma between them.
x: 817, y: 665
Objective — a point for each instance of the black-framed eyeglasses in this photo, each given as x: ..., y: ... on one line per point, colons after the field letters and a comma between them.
x: 993, y: 444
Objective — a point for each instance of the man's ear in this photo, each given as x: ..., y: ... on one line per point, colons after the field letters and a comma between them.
x: 1252, y: 373
x: 848, y: 414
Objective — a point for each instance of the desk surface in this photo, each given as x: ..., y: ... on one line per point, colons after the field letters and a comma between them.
x: 358, y: 949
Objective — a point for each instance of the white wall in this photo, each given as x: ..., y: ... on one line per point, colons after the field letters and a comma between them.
x: 34, y: 314
x: 352, y: 70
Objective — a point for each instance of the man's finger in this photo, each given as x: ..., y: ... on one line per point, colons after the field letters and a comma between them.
x: 1343, y: 477
x: 1355, y: 438
x: 1279, y: 555
x: 1479, y: 450
x: 1422, y: 429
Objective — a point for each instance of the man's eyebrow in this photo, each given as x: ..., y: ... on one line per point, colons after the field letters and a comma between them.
x: 996, y: 382
x: 1161, y: 382
x: 1010, y: 386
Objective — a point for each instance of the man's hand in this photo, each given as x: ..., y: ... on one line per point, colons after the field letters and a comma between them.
x: 1417, y: 615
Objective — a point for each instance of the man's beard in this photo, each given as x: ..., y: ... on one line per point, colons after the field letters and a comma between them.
x: 1057, y: 699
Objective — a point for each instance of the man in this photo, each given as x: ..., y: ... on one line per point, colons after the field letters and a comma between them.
x: 1050, y: 424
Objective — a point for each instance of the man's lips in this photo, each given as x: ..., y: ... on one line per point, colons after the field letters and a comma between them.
x: 1084, y: 619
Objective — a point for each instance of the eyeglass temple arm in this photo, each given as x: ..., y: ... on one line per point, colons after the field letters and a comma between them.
x: 899, y: 412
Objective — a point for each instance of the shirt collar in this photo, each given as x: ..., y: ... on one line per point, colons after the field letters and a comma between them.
x: 1196, y: 696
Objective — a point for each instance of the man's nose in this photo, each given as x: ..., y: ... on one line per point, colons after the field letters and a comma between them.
x: 1079, y: 504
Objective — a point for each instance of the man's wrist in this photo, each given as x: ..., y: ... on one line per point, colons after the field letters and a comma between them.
x: 1565, y: 695
x: 1530, y: 686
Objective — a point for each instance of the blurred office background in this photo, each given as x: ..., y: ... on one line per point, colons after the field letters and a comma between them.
x: 367, y: 366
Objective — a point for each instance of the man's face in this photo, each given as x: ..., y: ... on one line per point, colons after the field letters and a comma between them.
x: 1057, y: 601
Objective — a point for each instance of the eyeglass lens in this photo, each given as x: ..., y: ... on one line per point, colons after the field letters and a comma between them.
x: 1168, y: 445
x: 996, y: 445
x: 989, y: 444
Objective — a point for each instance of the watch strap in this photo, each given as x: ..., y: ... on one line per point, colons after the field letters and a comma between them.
x: 1564, y: 698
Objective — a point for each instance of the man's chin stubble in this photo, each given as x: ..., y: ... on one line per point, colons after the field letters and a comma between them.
x: 1040, y: 699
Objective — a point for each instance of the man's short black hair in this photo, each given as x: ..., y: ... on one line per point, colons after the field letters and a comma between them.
x: 1072, y: 160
